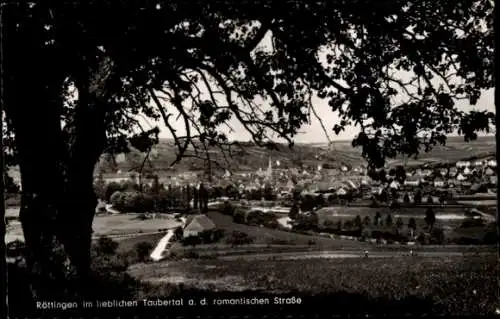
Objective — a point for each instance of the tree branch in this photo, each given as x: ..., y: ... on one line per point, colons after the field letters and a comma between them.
x: 264, y: 28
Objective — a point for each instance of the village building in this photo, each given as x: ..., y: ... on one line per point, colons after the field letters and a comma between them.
x: 412, y: 181
x: 424, y: 180
x: 463, y: 164
x: 478, y: 163
x: 493, y: 180
x: 453, y: 172
x: 377, y: 190
x: 195, y: 225
x: 492, y: 163
x: 466, y: 184
x: 467, y: 171
x: 427, y: 172
x: 395, y: 185
x: 489, y: 172
x: 451, y: 183
x: 439, y: 183
x: 341, y: 192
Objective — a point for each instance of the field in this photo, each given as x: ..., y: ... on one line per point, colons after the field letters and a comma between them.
x: 450, y: 216
x: 451, y: 285
x: 130, y: 224
x: 269, y: 236
x: 268, y: 240
x: 262, y: 238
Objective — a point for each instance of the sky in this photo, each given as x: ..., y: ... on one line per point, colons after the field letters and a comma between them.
x: 313, y: 132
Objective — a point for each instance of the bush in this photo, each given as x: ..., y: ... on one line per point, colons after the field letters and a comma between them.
x: 116, y: 199
x: 179, y: 233
x: 218, y: 234
x: 258, y: 218
x: 132, y: 201
x: 105, y: 259
x: 106, y: 246
x: 192, y: 241
x: 437, y: 236
x: 206, y: 237
x: 239, y: 238
x: 423, y: 238
x: 228, y: 209
x: 111, y: 189
x: 307, y: 222
x: 143, y: 249
x: 239, y: 217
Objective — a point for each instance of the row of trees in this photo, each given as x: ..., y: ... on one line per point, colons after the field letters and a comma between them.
x: 418, y: 198
x: 129, y: 196
x: 311, y: 221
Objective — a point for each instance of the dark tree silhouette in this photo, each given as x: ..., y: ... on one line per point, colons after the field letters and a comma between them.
x: 388, y: 220
x: 179, y: 233
x: 442, y: 199
x: 400, y: 174
x: 430, y: 218
x: 430, y: 199
x: 339, y: 225
x: 418, y: 197
x: 406, y: 198
x: 367, y: 221
x: 358, y: 222
x: 119, y: 73
x: 399, y: 224
x: 294, y: 211
x: 412, y: 226
x: 378, y: 218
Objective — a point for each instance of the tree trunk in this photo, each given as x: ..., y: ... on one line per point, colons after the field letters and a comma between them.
x: 58, y: 200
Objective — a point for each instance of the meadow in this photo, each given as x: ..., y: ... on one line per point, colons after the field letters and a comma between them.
x: 464, y: 285
x: 131, y: 224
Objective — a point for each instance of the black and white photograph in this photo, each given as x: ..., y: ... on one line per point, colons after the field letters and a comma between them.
x: 249, y: 157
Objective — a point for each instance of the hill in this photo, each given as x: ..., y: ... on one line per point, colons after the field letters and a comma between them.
x: 247, y: 156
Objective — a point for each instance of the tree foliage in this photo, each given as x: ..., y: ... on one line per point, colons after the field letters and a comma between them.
x: 354, y: 59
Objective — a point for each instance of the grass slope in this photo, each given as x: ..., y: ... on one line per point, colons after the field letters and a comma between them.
x: 452, y: 285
